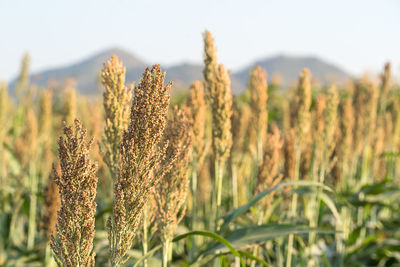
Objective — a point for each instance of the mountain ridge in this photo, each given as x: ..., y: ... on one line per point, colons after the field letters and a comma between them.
x: 86, y: 71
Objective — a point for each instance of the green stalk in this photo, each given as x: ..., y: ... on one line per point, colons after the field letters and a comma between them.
x: 49, y: 260
x: 344, y: 213
x: 364, y: 180
x: 194, y: 217
x: 218, y: 179
x: 315, y: 207
x: 234, y: 186
x: 32, y: 208
x: 218, y: 172
x: 259, y: 148
x: 293, y: 209
x: 165, y: 253
x: 145, y: 237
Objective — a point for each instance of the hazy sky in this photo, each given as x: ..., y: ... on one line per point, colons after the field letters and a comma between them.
x: 357, y: 35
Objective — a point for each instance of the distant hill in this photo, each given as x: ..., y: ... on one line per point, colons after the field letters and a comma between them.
x: 289, y: 67
x: 86, y: 72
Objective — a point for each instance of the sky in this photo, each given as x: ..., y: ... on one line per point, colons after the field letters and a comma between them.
x: 356, y: 35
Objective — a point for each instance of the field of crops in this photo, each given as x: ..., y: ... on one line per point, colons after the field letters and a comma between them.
x: 300, y: 176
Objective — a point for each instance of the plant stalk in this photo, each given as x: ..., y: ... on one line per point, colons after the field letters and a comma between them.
x: 145, y: 237
x: 165, y: 253
x: 293, y: 209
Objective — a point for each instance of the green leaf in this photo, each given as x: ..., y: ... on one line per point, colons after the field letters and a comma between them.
x: 331, y: 205
x: 148, y: 255
x: 214, y: 236
x: 230, y: 216
x: 252, y: 257
x: 254, y: 235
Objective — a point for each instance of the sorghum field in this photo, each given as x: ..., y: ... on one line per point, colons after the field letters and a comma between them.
x: 306, y: 176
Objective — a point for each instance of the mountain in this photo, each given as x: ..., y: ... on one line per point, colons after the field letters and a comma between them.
x: 86, y: 72
x: 184, y: 74
x: 289, y: 67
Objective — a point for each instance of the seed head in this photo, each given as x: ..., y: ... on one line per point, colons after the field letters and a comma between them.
x: 346, y: 129
x: 303, y: 106
x: 197, y: 112
x: 217, y: 83
x: 331, y: 121
x: 318, y: 128
x: 386, y: 85
x: 289, y: 151
x: 51, y: 207
x: 23, y: 79
x: 69, y: 113
x: 267, y: 170
x: 139, y: 153
x: 365, y: 103
x: 171, y: 192
x: 45, y: 113
x: 73, y: 242
x: 259, y: 95
x: 116, y: 100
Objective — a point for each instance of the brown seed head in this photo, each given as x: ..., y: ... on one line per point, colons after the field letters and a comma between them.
x: 139, y: 154
x: 171, y: 192
x: 73, y: 242
x: 365, y: 103
x: 289, y: 150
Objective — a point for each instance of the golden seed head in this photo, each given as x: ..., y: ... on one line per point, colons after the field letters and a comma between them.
x: 204, y: 185
x: 45, y: 113
x: 116, y: 101
x: 386, y: 79
x: 197, y: 112
x: 388, y: 126
x: 259, y: 95
x: 23, y: 78
x: 5, y: 107
x: 331, y: 120
x: 217, y: 83
x: 26, y: 145
x: 242, y: 133
x: 346, y: 125
x: 51, y: 206
x: 319, y: 126
x: 303, y: 106
x: 69, y: 113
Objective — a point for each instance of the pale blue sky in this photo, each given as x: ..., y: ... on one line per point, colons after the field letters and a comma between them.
x: 357, y: 35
